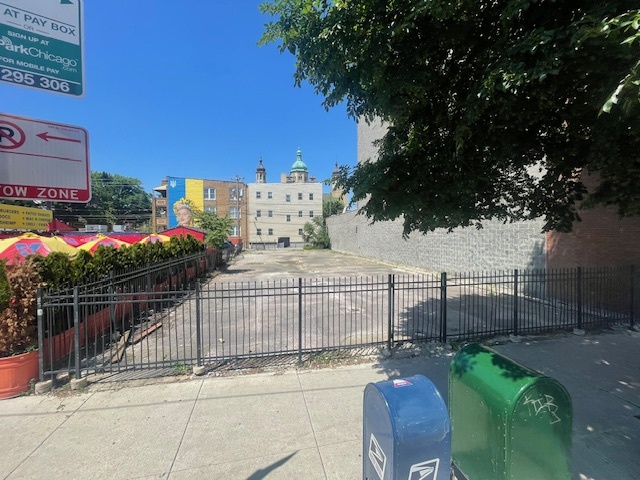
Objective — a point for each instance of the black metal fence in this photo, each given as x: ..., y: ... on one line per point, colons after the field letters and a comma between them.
x: 168, y: 324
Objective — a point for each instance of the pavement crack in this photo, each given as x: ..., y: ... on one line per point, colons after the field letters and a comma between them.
x: 315, y: 437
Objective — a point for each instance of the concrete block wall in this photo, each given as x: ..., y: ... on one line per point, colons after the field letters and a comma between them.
x: 495, y: 247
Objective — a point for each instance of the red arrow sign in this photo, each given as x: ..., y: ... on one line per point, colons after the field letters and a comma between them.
x: 45, y: 136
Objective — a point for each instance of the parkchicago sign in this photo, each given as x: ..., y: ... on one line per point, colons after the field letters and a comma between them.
x: 41, y: 45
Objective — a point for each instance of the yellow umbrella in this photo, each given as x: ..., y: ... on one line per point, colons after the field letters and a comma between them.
x: 102, y: 241
x: 16, y: 249
x: 153, y: 238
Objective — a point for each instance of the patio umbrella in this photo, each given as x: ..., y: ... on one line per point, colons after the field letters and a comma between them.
x: 102, y: 241
x: 16, y: 249
x: 155, y: 237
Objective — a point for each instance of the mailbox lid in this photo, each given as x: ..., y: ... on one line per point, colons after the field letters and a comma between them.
x: 416, y: 408
x: 540, y: 432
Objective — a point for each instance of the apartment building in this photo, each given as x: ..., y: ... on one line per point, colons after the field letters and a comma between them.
x: 177, y: 198
x: 278, y: 211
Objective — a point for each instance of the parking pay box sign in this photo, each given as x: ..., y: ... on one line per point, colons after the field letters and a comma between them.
x: 41, y: 45
x: 406, y: 432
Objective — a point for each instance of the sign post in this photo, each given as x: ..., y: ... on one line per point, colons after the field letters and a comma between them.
x: 41, y: 45
x: 41, y: 160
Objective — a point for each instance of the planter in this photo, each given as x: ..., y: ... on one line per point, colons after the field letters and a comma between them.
x: 16, y: 372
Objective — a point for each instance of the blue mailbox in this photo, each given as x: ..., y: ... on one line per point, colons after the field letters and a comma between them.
x: 406, y: 434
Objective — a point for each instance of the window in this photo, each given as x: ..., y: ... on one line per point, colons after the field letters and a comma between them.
x: 258, y: 194
x: 311, y: 196
x: 209, y: 208
x: 311, y: 213
x: 299, y: 196
x: 269, y: 195
x: 235, y: 231
x: 234, y: 212
x: 288, y: 197
x: 258, y: 213
x: 235, y: 193
x: 271, y: 231
x: 300, y: 213
x: 288, y: 218
x: 258, y: 231
x: 209, y: 193
x: 300, y: 231
x: 271, y: 213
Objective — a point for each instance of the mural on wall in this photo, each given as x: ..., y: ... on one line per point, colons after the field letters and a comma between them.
x: 185, y: 197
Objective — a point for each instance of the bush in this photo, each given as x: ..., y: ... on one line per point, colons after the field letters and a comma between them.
x: 5, y: 287
x: 18, y: 324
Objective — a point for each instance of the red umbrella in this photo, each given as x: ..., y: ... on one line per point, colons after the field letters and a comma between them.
x: 16, y: 249
x: 102, y: 241
x: 155, y: 237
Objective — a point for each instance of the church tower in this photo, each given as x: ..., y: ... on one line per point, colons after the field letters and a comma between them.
x: 261, y: 173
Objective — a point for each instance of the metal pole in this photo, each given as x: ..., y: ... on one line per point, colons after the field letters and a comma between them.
x: 390, y: 327
x: 579, y: 295
x: 40, y: 314
x: 300, y: 320
x: 198, y: 332
x: 515, y: 302
x: 631, y: 297
x: 443, y: 307
x: 76, y: 327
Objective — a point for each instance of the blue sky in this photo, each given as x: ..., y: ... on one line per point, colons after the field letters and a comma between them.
x: 182, y: 89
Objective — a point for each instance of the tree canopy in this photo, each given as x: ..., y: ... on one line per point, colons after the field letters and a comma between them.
x: 494, y: 110
x: 114, y: 199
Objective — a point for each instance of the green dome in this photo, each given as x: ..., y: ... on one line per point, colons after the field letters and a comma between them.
x: 298, y: 165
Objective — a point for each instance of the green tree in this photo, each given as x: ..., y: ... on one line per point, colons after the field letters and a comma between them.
x: 331, y: 206
x: 115, y: 199
x: 493, y: 108
x: 216, y: 228
x: 315, y: 233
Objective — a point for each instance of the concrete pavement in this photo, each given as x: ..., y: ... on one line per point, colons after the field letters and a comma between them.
x: 298, y: 424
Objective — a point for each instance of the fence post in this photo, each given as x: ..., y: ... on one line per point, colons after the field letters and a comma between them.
x: 515, y: 302
x: 579, y: 295
x: 631, y: 297
x: 40, y: 314
x: 443, y: 307
x: 76, y: 331
x: 390, y: 326
x: 198, y: 332
x: 300, y: 321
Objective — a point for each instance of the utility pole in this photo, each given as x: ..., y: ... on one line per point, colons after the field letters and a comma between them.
x: 238, y: 211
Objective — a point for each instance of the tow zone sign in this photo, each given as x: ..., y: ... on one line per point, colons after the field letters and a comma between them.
x: 41, y: 160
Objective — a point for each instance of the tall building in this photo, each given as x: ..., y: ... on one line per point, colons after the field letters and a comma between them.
x: 177, y: 198
x: 279, y: 211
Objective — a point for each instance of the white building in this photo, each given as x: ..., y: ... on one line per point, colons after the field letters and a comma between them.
x: 279, y: 211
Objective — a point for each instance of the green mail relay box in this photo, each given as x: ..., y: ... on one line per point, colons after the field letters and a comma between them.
x: 507, y: 421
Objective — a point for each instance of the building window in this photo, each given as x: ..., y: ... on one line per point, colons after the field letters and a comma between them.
x: 300, y: 231
x: 234, y: 212
x: 288, y: 218
x: 271, y: 231
x: 288, y: 198
x: 258, y: 231
x: 271, y: 213
x: 258, y: 195
x: 258, y: 213
x: 209, y: 193
x: 209, y: 208
x: 311, y: 196
x: 235, y: 231
x: 300, y: 213
x: 311, y: 213
x: 299, y: 196
x: 269, y: 195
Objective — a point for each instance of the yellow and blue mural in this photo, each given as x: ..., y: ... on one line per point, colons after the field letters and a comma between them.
x: 185, y: 197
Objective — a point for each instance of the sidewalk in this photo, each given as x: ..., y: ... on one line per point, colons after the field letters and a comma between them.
x: 304, y: 424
